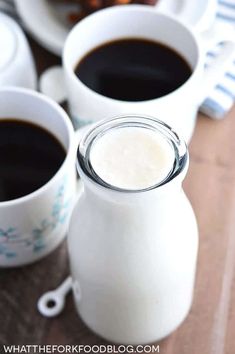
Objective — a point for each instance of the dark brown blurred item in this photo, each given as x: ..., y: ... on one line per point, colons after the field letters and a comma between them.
x: 86, y: 7
x: 94, y: 5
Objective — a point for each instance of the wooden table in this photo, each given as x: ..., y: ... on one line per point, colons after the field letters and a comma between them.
x: 210, y: 326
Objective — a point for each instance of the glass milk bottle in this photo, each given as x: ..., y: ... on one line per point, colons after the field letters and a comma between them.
x: 133, y: 236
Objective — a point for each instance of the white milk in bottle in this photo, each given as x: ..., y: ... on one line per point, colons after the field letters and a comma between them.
x: 133, y: 235
x: 132, y: 158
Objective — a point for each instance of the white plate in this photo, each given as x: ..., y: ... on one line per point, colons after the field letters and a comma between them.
x: 44, y: 22
x: 199, y: 14
x: 47, y: 22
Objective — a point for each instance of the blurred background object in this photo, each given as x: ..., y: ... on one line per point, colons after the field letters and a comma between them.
x: 86, y: 7
x: 8, y: 7
x: 50, y: 21
x: 221, y: 98
x: 17, y: 66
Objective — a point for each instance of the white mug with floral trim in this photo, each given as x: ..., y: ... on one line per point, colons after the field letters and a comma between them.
x: 32, y: 226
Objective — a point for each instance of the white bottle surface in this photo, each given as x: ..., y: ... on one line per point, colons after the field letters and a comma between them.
x: 132, y: 158
x: 133, y: 253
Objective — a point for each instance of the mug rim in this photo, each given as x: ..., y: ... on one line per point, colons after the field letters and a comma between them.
x: 146, y: 8
x: 48, y: 101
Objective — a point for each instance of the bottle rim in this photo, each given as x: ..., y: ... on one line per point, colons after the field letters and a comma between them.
x: 103, y: 127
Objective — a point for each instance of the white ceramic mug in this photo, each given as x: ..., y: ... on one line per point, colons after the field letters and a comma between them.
x: 17, y: 66
x: 178, y: 108
x: 35, y: 224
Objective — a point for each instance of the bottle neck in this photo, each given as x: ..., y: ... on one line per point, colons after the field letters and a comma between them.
x: 161, y: 196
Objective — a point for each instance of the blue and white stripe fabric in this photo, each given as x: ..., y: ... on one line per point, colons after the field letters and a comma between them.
x: 222, y: 97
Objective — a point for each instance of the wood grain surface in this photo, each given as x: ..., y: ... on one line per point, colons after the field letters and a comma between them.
x: 210, y: 326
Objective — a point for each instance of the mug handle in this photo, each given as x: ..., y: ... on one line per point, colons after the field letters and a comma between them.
x: 219, y: 33
x: 52, y: 84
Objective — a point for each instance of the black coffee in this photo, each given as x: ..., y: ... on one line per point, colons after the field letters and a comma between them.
x: 133, y: 70
x: 29, y: 157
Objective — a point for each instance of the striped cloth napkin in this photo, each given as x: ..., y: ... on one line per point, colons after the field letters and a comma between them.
x: 222, y: 97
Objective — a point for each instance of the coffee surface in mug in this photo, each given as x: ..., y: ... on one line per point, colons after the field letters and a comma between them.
x: 29, y: 157
x: 133, y: 69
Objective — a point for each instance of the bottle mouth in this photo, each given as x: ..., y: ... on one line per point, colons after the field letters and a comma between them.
x: 179, y: 148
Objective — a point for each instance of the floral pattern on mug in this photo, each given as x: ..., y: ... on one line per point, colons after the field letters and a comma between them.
x: 7, y: 236
x: 38, y: 239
